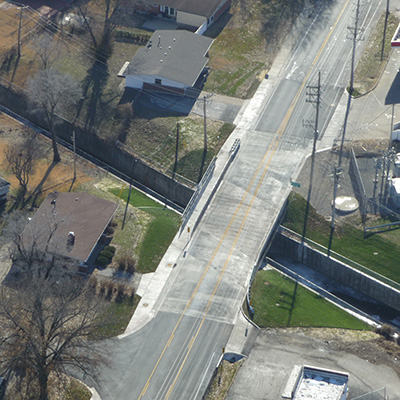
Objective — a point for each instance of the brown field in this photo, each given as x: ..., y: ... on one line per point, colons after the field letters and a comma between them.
x: 9, y: 22
x: 61, y: 176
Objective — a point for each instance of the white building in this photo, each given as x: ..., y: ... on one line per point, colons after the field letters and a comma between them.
x: 311, y: 383
x: 172, y: 62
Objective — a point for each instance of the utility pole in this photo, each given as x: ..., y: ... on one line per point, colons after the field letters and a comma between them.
x: 129, y: 194
x: 205, y: 124
x: 205, y: 139
x: 74, y: 148
x: 384, y: 30
x: 355, y: 34
x: 313, y: 96
x: 176, y: 150
x: 19, y: 31
x: 337, y: 172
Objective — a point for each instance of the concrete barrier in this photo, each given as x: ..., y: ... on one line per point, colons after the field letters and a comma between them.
x: 337, y: 270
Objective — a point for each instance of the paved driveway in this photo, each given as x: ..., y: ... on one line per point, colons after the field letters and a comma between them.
x: 265, y: 373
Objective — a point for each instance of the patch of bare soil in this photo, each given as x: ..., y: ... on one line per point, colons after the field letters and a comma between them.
x: 61, y: 176
x: 367, y: 345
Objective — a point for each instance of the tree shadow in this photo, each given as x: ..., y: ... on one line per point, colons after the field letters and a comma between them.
x: 38, y: 189
x: 94, y: 82
x: 15, y: 68
x: 292, y: 304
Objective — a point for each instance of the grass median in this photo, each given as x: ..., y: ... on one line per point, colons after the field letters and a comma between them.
x: 375, y: 55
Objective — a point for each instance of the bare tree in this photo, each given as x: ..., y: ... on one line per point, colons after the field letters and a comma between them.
x: 99, y: 25
x: 47, y: 48
x: 54, y: 95
x: 45, y: 327
x: 21, y: 157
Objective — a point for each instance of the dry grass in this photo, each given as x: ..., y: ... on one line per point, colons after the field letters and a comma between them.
x: 9, y: 23
x: 223, y: 380
x: 371, y: 65
x: 61, y: 176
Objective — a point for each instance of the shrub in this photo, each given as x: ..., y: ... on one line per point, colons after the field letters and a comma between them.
x: 127, y: 264
x: 109, y: 230
x: 386, y: 330
x: 109, y: 249
x: 102, y: 261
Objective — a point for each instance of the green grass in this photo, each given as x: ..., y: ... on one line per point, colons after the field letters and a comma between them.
x: 371, y: 63
x: 162, y: 227
x: 118, y: 315
x: 279, y: 302
x: 376, y: 252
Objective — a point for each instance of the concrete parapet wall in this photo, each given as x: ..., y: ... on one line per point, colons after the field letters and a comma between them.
x: 108, y: 153
x: 337, y: 270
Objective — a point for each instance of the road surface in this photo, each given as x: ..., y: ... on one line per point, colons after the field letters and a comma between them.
x: 173, y: 356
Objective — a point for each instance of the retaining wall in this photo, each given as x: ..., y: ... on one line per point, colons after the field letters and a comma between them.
x: 105, y: 151
x: 337, y: 270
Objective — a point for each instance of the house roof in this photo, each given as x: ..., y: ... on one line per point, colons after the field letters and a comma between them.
x: 203, y: 7
x: 174, y: 54
x: 3, y: 182
x: 85, y: 215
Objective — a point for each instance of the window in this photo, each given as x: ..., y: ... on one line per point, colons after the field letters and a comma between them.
x: 171, y: 11
x: 157, y: 81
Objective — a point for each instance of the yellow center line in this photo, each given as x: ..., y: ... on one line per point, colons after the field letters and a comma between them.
x: 268, y: 154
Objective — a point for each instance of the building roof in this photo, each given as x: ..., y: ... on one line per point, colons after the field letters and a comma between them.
x: 321, y: 384
x: 60, y: 214
x: 396, y: 38
x: 205, y: 8
x: 395, y: 184
x: 178, y: 55
x: 3, y: 182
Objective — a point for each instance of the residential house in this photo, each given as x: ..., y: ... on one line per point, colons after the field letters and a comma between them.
x: 191, y: 13
x: 68, y: 225
x: 172, y: 62
x: 4, y: 188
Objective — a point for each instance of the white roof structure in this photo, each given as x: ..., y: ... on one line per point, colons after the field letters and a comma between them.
x: 396, y: 38
x: 396, y: 185
x: 321, y: 384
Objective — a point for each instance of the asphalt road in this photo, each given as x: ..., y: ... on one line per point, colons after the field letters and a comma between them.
x: 173, y: 356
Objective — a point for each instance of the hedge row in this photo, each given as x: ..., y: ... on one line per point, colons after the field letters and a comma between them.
x: 127, y: 36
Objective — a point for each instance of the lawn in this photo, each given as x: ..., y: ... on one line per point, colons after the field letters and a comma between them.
x: 279, y: 301
x: 247, y: 39
x: 118, y: 316
x: 376, y: 252
x: 162, y: 225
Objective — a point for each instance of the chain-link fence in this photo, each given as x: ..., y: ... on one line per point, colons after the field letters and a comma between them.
x: 379, y: 394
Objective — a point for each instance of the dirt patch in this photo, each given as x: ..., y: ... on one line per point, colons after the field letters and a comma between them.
x: 61, y: 176
x: 367, y: 345
x: 223, y: 380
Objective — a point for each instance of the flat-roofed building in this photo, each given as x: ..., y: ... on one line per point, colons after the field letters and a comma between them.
x: 313, y: 383
x: 396, y: 38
